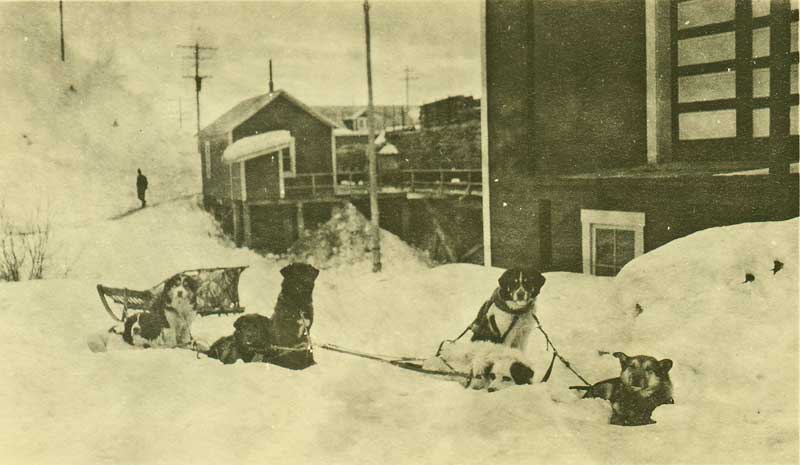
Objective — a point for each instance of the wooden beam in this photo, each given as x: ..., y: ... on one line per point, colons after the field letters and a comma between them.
x: 744, y: 77
x: 779, y: 84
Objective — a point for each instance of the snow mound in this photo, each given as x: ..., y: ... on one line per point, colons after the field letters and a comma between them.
x: 723, y: 304
x: 344, y: 240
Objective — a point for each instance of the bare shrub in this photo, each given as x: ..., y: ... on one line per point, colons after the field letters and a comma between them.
x: 24, y: 246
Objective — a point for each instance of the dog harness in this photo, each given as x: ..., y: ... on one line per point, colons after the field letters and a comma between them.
x: 481, y: 320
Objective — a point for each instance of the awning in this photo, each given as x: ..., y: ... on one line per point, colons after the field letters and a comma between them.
x: 388, y: 149
x: 255, y: 146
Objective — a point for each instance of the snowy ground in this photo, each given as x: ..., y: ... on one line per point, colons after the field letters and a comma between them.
x: 734, y: 346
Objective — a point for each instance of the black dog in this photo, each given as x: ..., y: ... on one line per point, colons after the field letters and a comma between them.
x: 508, y: 316
x: 293, y: 317
x: 283, y: 340
x: 249, y: 342
x: 642, y: 386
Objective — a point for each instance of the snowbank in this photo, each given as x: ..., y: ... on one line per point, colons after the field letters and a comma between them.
x: 344, y: 240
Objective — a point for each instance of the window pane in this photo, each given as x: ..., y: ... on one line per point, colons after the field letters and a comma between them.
x: 625, y: 246
x: 604, y: 247
x: 707, y: 124
x: 711, y: 86
x: 761, y: 122
x: 706, y: 49
x: 794, y: 36
x: 793, y: 78
x: 760, y: 8
x: 761, y: 82
x: 761, y: 42
x: 700, y: 12
x: 793, y: 120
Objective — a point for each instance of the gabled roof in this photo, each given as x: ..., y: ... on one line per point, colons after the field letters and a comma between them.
x: 242, y: 111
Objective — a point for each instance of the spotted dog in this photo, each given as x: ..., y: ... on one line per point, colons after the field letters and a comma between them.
x: 508, y: 316
x: 176, y: 303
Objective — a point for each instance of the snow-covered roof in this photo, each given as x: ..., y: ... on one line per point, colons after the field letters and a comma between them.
x: 242, y: 111
x: 254, y: 146
x: 388, y: 149
x: 381, y: 139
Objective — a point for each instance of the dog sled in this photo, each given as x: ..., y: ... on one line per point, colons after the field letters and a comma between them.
x: 216, y: 293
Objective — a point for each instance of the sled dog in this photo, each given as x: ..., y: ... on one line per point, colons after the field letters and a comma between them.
x: 643, y: 385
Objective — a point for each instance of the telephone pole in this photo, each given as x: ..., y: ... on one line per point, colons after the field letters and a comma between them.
x: 198, y: 79
x: 61, y: 19
x: 407, y: 79
x: 373, y: 169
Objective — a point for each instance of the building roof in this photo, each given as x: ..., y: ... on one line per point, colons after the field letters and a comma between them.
x: 254, y: 146
x: 242, y: 111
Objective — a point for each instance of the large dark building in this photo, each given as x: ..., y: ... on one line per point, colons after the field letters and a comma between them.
x: 607, y: 122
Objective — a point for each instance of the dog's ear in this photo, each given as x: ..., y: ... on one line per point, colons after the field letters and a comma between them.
x: 538, y: 279
x: 521, y: 373
x: 505, y: 279
x: 313, y: 272
x: 287, y: 270
x: 192, y: 282
x: 665, y: 365
x: 623, y: 359
x: 241, y: 321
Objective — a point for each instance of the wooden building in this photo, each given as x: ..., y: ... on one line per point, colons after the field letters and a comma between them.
x: 259, y: 153
x: 606, y: 124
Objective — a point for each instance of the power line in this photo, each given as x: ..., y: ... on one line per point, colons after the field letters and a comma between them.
x: 198, y: 79
x: 408, y: 78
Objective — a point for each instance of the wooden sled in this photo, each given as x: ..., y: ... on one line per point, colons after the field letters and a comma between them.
x: 217, y: 293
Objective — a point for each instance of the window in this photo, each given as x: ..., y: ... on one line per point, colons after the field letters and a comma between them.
x: 720, y: 71
x: 610, y: 240
x: 288, y: 160
x: 207, y: 153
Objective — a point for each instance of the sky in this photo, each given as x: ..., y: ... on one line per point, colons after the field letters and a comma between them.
x: 317, y: 48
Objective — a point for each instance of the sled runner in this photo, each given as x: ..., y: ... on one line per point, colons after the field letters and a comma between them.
x: 217, y: 293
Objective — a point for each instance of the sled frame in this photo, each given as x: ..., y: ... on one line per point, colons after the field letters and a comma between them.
x: 136, y: 300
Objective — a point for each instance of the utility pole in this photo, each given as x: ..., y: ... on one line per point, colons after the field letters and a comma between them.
x: 61, y: 19
x: 198, y: 79
x: 407, y: 79
x: 373, y: 168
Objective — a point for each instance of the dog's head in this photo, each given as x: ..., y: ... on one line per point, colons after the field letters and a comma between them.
x: 299, y: 277
x: 500, y: 374
x: 643, y: 374
x: 142, y: 328
x: 180, y: 290
x: 252, y: 333
x: 519, y: 287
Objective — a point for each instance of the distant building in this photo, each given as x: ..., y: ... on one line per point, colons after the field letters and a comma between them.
x: 451, y: 110
x: 354, y: 118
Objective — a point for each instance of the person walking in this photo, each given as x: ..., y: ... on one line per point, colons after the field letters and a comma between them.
x: 141, y: 187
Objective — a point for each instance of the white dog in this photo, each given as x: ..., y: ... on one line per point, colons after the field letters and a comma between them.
x: 490, y: 366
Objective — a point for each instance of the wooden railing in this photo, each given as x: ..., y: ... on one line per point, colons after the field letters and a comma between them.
x: 430, y: 181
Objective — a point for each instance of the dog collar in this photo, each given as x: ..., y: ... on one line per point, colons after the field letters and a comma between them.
x: 501, y: 304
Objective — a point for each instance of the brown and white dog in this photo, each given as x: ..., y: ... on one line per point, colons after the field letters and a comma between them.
x: 507, y: 318
x: 176, y: 303
x: 490, y: 366
x: 643, y: 385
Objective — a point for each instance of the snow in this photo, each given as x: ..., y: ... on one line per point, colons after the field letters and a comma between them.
x: 758, y: 172
x: 734, y: 346
x: 388, y: 149
x: 249, y: 147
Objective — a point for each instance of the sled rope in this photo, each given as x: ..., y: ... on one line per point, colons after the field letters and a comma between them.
x: 406, y: 363
x: 556, y: 354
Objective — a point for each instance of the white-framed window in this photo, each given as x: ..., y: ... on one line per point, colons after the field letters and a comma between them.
x: 288, y: 161
x: 610, y: 239
x: 207, y: 155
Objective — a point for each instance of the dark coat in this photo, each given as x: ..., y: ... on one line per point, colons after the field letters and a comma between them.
x: 141, y: 183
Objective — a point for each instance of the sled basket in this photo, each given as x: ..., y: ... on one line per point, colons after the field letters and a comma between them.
x: 217, y: 293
